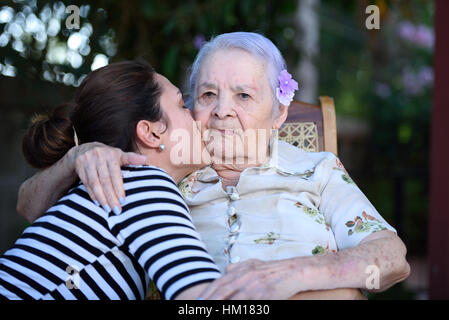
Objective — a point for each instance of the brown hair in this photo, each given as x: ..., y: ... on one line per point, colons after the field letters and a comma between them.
x: 107, y: 107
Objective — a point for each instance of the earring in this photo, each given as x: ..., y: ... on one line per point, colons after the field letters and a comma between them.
x: 162, y: 147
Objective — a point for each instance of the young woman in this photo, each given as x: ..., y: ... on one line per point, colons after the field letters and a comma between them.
x: 78, y: 250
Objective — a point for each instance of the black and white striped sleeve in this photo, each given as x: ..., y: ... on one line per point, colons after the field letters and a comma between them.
x: 156, y: 228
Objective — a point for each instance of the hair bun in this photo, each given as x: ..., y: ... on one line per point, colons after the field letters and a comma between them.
x: 40, y: 118
x: 49, y: 137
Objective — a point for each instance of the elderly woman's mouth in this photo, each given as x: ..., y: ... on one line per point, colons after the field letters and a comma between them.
x: 226, y: 132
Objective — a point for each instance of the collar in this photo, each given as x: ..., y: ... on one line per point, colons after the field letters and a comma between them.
x: 285, y: 159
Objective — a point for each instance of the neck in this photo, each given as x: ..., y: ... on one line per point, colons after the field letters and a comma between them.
x: 177, y: 175
x: 230, y: 173
x: 229, y: 176
x: 155, y: 158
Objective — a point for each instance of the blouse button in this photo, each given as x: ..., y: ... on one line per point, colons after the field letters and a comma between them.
x: 235, y: 228
x: 235, y: 259
x: 232, y: 219
x: 232, y: 193
x: 234, y: 196
x: 232, y: 240
x: 231, y: 211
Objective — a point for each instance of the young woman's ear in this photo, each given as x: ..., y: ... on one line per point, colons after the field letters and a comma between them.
x: 282, y: 116
x: 149, y: 133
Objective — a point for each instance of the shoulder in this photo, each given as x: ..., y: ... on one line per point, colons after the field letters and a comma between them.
x: 293, y: 159
x: 150, y: 192
x: 131, y: 171
x: 149, y: 183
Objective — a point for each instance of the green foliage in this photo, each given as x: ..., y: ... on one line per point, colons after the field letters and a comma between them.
x: 380, y: 76
x: 163, y: 32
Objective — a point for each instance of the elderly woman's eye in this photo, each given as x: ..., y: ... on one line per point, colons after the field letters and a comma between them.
x: 207, y: 98
x: 244, y: 96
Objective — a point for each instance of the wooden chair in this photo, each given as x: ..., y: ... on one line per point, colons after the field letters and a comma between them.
x: 311, y: 127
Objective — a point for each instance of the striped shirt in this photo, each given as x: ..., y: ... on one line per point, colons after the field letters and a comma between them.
x: 76, y: 250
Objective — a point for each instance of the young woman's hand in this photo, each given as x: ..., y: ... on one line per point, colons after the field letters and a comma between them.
x: 98, y: 167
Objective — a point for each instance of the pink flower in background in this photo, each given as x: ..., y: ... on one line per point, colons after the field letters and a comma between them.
x: 425, y: 76
x: 287, y: 87
x: 424, y: 36
x: 406, y: 30
x: 420, y: 35
x: 415, y: 83
x: 199, y: 40
x: 382, y: 90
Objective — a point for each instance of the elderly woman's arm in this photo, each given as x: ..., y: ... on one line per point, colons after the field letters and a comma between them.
x: 42, y: 190
x: 98, y: 167
x: 382, y: 251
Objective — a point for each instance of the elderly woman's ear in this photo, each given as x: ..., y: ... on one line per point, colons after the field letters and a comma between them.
x: 280, y: 117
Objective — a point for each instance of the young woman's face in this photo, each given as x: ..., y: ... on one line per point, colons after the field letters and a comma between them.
x: 183, y: 138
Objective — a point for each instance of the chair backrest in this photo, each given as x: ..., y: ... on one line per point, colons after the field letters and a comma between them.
x: 311, y: 127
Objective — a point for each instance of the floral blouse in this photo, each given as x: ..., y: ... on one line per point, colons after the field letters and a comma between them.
x: 298, y: 204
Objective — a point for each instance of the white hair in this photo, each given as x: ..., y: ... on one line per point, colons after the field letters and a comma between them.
x: 253, y: 43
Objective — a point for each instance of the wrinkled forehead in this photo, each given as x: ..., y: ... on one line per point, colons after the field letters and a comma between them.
x: 233, y: 67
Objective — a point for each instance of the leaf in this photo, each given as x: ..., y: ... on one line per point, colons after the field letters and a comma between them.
x: 350, y: 224
x: 347, y: 179
x: 368, y: 217
x: 318, y: 250
x: 350, y: 232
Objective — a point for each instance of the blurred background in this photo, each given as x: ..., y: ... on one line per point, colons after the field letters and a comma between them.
x: 381, y: 81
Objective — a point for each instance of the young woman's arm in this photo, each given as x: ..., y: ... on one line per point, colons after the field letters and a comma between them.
x: 95, y: 164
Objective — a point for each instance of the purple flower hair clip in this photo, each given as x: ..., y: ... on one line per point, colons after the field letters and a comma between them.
x: 287, y: 87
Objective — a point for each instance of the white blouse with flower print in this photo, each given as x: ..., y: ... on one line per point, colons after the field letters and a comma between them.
x: 298, y: 204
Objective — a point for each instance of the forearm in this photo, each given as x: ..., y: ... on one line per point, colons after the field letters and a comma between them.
x: 331, y: 294
x: 42, y: 190
x: 350, y: 268
x: 192, y: 293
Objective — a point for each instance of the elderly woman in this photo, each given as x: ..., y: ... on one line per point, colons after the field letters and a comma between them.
x: 278, y: 220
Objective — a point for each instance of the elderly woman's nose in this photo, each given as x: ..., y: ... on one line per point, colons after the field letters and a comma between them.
x: 224, y: 108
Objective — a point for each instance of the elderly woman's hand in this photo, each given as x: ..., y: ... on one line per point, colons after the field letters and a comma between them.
x: 270, y: 280
x: 253, y: 279
x: 98, y: 167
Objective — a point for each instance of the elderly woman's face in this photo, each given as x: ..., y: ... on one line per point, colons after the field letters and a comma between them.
x: 234, y: 101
